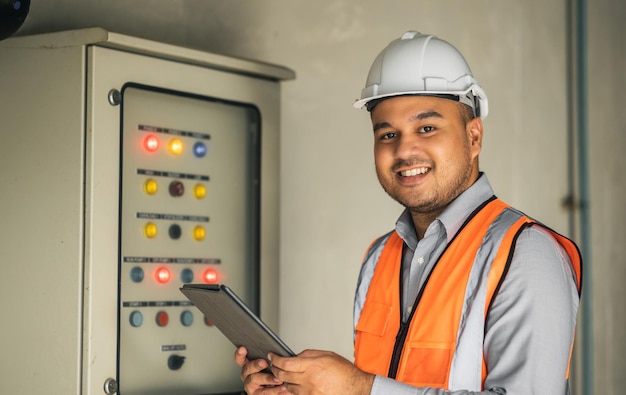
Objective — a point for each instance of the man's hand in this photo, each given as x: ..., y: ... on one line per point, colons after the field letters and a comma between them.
x: 315, y: 372
x: 257, y: 382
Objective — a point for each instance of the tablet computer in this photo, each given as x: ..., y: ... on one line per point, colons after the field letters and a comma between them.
x: 235, y: 320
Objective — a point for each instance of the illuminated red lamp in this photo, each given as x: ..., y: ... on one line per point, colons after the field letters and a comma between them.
x: 210, y: 276
x: 151, y: 143
x: 163, y: 275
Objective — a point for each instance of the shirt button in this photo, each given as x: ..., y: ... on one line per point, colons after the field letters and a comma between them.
x: 420, y: 260
x: 408, y: 309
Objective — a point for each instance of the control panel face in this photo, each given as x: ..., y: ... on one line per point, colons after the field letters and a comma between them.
x: 188, y: 214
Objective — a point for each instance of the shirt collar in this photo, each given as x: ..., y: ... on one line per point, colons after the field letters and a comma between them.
x: 453, y: 217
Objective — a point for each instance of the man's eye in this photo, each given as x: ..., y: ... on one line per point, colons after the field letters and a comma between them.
x: 426, y: 129
x: 388, y: 135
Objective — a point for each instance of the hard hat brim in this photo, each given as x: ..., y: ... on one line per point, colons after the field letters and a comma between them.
x: 475, y: 90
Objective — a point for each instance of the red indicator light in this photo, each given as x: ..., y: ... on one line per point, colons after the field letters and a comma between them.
x: 210, y: 276
x: 151, y: 143
x: 163, y: 275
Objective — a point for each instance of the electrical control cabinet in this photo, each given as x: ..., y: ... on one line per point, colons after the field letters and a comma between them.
x: 130, y: 168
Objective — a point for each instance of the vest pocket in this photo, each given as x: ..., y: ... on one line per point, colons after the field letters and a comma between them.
x: 370, y: 348
x: 374, y: 318
x: 426, y: 364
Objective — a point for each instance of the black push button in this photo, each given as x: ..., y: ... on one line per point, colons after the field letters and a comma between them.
x: 175, y: 362
x: 175, y: 231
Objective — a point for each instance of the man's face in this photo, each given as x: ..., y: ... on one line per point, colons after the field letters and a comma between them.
x: 425, y: 154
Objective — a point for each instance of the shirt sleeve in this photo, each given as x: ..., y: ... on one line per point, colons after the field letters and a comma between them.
x: 530, y: 326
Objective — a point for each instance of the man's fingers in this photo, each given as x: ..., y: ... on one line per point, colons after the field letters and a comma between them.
x: 253, y: 367
x: 240, y: 356
x: 257, y: 380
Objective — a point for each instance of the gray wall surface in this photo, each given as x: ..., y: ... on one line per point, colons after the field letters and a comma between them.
x: 331, y: 203
x: 607, y: 142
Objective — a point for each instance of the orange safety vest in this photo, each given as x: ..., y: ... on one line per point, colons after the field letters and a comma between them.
x: 421, y: 351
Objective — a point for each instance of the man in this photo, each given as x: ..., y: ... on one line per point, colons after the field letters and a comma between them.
x: 466, y: 295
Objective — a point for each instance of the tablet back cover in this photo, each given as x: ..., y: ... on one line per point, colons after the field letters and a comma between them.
x: 235, y: 320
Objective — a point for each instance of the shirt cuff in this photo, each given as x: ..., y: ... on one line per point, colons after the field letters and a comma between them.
x: 386, y: 386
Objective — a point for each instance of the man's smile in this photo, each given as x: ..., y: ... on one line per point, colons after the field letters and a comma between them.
x: 414, y: 171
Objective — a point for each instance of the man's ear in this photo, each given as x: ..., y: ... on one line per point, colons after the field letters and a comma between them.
x: 474, y: 130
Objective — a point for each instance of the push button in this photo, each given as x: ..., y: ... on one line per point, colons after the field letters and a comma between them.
x: 186, y: 318
x: 186, y: 275
x: 175, y: 231
x: 136, y: 274
x: 175, y: 362
x: 177, y: 188
x: 162, y: 319
x: 136, y: 319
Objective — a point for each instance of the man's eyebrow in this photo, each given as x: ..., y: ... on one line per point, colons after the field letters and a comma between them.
x: 426, y: 114
x: 416, y: 117
x: 381, y: 125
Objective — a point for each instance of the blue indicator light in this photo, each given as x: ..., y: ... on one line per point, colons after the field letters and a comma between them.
x: 199, y: 149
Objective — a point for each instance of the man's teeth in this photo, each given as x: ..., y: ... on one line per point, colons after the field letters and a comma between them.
x: 414, y: 172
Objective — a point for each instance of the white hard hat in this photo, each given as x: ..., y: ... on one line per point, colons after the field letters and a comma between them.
x: 421, y: 64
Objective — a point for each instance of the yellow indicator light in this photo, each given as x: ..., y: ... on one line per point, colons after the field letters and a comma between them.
x: 150, y: 186
x: 199, y: 191
x: 199, y: 233
x: 150, y: 230
x: 175, y: 146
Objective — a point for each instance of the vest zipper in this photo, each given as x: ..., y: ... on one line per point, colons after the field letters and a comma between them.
x: 403, y: 332
x: 397, y: 349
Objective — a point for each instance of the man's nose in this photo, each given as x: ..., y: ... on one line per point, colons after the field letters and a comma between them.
x: 408, y: 146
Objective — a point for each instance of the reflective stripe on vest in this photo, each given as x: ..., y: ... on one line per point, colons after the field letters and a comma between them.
x: 441, y: 346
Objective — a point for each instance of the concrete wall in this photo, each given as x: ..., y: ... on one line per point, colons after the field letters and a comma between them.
x: 607, y: 144
x: 331, y: 203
